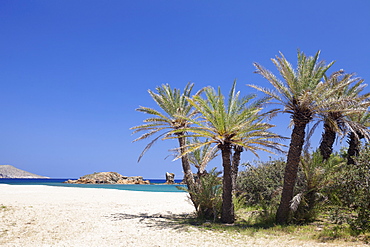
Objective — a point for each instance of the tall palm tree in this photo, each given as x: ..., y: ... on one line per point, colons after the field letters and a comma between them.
x: 228, y: 124
x: 301, y: 93
x: 344, y: 104
x: 175, y: 109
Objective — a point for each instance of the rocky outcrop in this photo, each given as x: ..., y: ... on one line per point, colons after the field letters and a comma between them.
x: 133, y: 180
x: 9, y: 171
x: 170, y: 178
x: 108, y: 178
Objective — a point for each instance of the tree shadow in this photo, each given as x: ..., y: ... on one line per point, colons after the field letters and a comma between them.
x: 161, y: 221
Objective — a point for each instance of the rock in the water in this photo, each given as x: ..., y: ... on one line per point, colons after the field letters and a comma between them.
x: 129, y: 181
x: 108, y: 178
x: 170, y: 178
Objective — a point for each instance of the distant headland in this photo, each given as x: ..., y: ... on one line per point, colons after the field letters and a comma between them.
x: 9, y: 171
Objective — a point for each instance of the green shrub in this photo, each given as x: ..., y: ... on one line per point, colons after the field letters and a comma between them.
x: 261, y: 183
x: 315, y: 174
x: 351, y: 190
x: 207, y: 195
x: 239, y: 202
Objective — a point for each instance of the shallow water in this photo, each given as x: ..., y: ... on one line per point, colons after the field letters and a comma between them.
x: 156, y: 186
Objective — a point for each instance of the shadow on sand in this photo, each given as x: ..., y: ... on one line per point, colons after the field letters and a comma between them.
x: 162, y: 221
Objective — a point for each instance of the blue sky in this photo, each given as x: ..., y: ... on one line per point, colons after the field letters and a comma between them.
x: 73, y: 72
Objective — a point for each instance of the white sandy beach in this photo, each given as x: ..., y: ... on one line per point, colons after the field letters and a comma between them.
x: 35, y: 215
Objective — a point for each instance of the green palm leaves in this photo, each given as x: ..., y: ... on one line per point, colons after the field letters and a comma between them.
x: 302, y: 88
x: 175, y: 109
x: 340, y: 109
x: 201, y: 156
x: 231, y: 122
x: 302, y: 94
x: 215, y: 123
x: 361, y: 122
x: 306, y: 93
x: 235, y: 124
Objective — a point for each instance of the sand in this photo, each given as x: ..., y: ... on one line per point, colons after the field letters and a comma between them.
x: 36, y: 215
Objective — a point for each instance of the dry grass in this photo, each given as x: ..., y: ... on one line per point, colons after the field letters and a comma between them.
x: 252, y: 223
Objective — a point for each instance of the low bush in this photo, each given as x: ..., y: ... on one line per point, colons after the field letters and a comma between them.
x: 261, y: 183
x: 207, y: 195
x: 315, y: 174
x: 351, y: 191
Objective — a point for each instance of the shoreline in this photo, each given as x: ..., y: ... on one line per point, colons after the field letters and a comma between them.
x: 153, y: 187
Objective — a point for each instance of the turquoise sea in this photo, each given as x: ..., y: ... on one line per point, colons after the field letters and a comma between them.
x: 156, y: 186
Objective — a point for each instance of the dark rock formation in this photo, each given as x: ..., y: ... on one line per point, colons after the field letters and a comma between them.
x: 108, y: 178
x: 170, y: 178
x: 8, y: 171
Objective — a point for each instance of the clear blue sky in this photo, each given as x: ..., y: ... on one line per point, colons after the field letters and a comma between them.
x: 73, y: 72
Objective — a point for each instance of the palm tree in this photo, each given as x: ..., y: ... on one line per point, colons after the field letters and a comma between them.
x: 207, y: 193
x: 175, y: 109
x: 202, y: 156
x: 344, y: 104
x: 226, y: 125
x: 359, y: 131
x: 301, y: 94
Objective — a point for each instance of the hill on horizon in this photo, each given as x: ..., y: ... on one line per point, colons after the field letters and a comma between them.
x: 9, y: 171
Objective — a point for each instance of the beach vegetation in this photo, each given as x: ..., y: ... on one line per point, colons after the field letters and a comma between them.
x: 356, y: 135
x: 236, y: 123
x: 252, y: 221
x: 207, y: 195
x: 173, y: 114
x: 261, y: 182
x: 200, y: 157
x: 316, y: 173
x: 350, y: 193
x: 343, y: 111
x: 319, y: 195
x: 303, y: 95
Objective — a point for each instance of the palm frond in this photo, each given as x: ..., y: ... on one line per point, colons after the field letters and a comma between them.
x: 296, y: 201
x: 175, y: 110
x: 148, y: 147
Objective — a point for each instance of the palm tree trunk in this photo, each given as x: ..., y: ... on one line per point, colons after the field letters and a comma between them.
x: 291, y: 169
x: 353, y: 148
x: 327, y: 142
x: 311, y: 200
x: 235, y: 166
x: 188, y: 174
x: 227, y: 214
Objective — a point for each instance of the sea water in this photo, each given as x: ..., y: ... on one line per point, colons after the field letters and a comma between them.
x: 156, y: 186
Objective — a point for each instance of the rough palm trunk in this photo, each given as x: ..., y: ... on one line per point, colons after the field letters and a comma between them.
x: 327, y: 142
x: 235, y: 166
x: 227, y: 214
x: 353, y: 148
x: 188, y: 174
x: 311, y: 200
x: 291, y: 169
